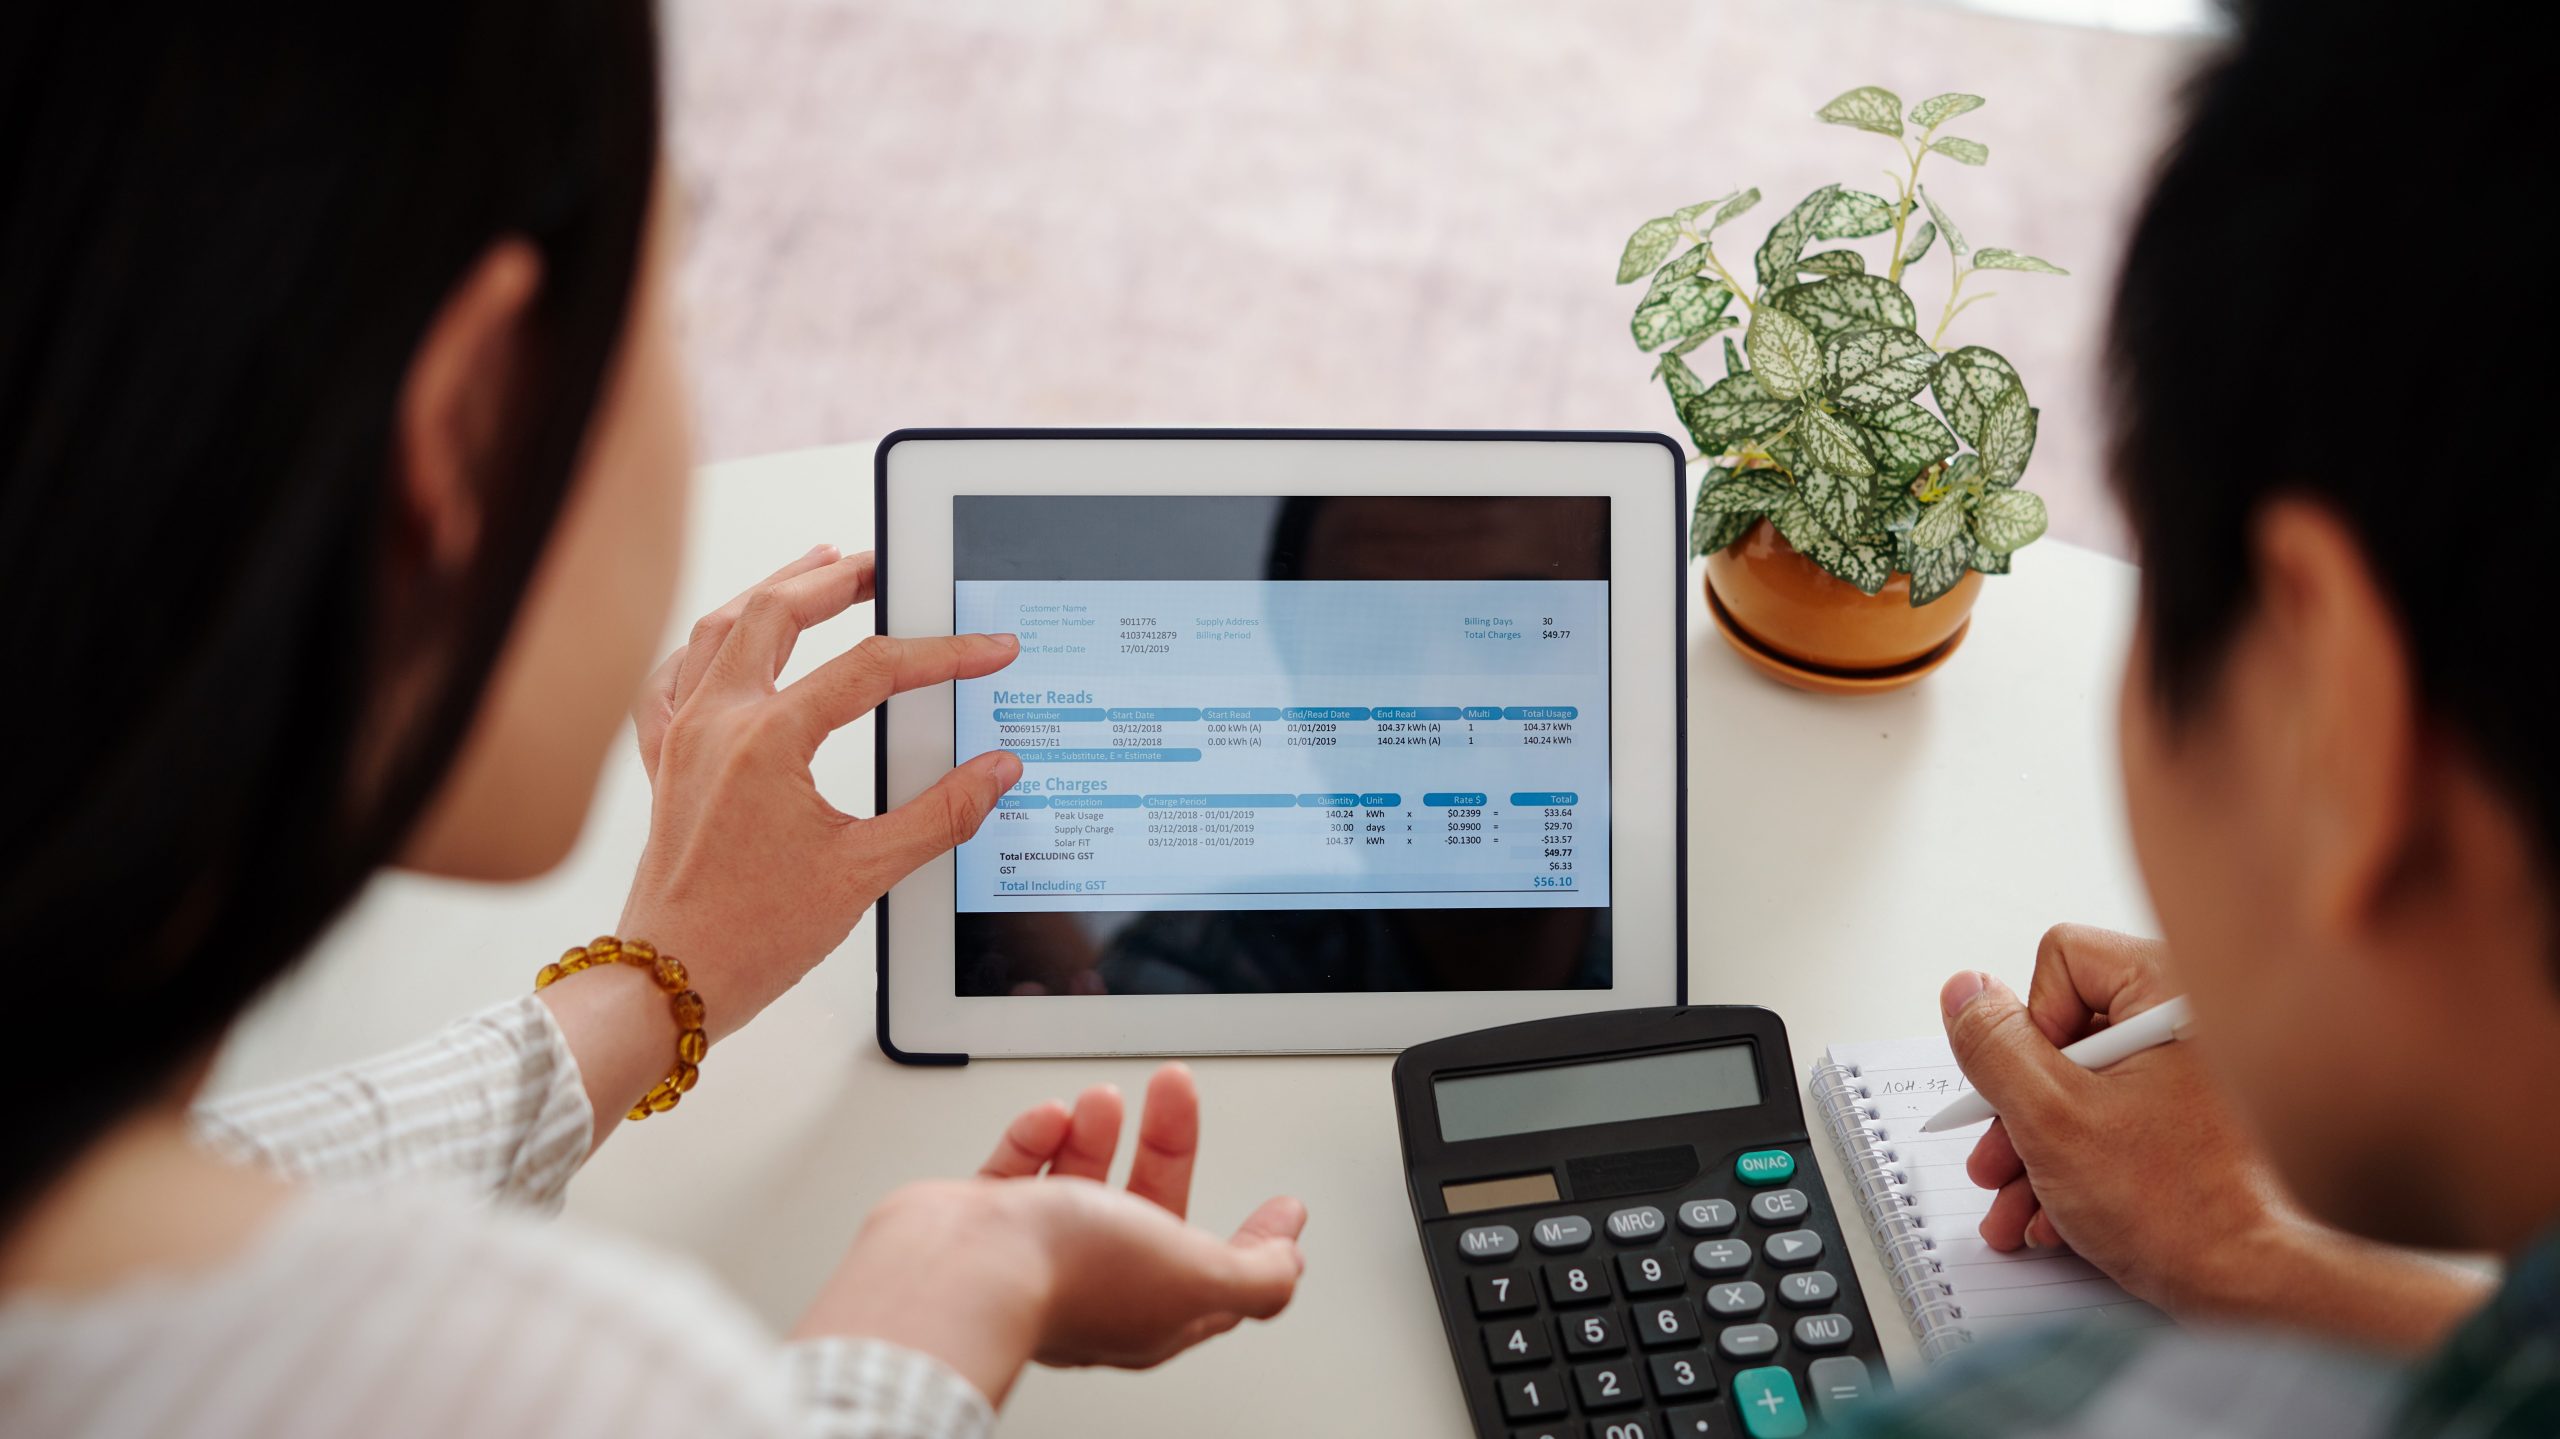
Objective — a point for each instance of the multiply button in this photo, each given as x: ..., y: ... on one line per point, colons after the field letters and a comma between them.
x: 1778, y: 1206
x: 1641, y: 1222
x: 1489, y: 1241
x: 1721, y: 1256
x: 1795, y: 1246
x: 1707, y: 1216
x: 1742, y: 1297
x: 1564, y: 1231
x: 1762, y: 1167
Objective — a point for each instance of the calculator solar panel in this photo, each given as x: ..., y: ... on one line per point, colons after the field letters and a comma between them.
x: 1622, y: 1219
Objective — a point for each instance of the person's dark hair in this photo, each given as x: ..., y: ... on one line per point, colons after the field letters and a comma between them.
x: 223, y: 233
x: 2316, y: 303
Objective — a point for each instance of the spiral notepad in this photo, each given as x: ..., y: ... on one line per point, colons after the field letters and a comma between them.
x: 1923, y: 1211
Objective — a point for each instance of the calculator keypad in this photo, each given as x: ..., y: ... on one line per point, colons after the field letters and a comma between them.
x: 1659, y: 1320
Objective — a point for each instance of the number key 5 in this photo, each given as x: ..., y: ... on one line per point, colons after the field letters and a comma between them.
x: 1592, y: 1334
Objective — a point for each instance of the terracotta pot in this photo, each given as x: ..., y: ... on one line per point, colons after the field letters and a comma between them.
x: 1794, y: 607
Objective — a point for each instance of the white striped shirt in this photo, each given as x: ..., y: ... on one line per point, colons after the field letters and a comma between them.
x: 392, y: 1298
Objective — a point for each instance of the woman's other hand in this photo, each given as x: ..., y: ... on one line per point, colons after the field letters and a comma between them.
x: 750, y: 876
x: 989, y: 1273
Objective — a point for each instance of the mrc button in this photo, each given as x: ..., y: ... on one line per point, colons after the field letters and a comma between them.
x: 1765, y: 1166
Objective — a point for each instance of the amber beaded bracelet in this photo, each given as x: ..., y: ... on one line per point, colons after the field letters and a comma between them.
x: 668, y: 971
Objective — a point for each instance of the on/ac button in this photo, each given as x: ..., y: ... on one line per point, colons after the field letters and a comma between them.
x: 1765, y: 1166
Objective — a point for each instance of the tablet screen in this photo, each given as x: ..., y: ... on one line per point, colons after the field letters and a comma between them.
x: 1287, y: 744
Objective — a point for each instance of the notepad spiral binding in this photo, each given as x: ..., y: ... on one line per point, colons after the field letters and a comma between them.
x: 1884, y: 1198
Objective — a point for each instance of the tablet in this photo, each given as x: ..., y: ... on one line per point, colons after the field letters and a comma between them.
x: 1331, y: 740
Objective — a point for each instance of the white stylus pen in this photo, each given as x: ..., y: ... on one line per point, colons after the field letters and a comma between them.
x: 2155, y: 1026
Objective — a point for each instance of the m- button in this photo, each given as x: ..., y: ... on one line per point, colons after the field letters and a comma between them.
x: 1561, y: 1232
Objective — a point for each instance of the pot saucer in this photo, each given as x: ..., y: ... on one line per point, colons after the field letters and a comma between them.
x: 1800, y: 675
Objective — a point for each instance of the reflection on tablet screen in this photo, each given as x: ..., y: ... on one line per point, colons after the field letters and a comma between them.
x: 1288, y: 744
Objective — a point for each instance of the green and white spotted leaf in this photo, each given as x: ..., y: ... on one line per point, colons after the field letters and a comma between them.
x: 1969, y: 381
x: 1905, y: 439
x: 1896, y: 512
x: 1687, y: 215
x: 1733, y: 409
x: 1754, y: 491
x: 1645, y: 248
x: 1869, y: 107
x: 1964, y: 472
x: 1796, y: 520
x: 2012, y: 260
x: 1873, y: 368
x: 1934, y: 571
x: 1733, y: 357
x: 2008, y: 520
x: 1846, y: 302
x: 1829, y: 444
x: 1721, y: 322
x: 1839, y: 499
x: 1787, y: 453
x: 1687, y: 308
x: 1938, y: 109
x: 1678, y: 378
x: 1833, y: 262
x: 1712, y: 530
x: 1784, y: 354
x: 1864, y: 561
x: 1989, y: 563
x: 1775, y: 262
x: 1946, y: 227
x: 1691, y: 261
x: 1852, y: 214
x: 1920, y: 241
x: 1711, y: 527
x: 2008, y: 438
x: 1939, y: 523
x: 1733, y: 208
x: 1962, y: 150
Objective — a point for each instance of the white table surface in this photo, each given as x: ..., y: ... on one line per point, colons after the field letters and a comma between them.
x: 1845, y: 855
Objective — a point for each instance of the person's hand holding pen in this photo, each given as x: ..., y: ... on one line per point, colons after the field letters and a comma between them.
x: 2142, y: 1169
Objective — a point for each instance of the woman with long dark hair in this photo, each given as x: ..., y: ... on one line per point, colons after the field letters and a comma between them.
x: 342, y: 465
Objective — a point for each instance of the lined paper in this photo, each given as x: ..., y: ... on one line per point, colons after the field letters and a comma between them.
x: 1991, y: 1295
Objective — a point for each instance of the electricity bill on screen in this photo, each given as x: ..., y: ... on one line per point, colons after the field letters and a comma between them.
x: 1309, y: 744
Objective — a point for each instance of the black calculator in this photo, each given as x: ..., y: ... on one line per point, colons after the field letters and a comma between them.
x: 1622, y: 1217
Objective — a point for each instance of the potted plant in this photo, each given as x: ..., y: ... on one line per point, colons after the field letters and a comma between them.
x: 1843, y: 519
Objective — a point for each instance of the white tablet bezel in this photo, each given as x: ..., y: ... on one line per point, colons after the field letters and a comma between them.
x: 917, y: 473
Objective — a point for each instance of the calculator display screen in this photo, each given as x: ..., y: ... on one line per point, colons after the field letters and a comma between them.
x: 1600, y: 1091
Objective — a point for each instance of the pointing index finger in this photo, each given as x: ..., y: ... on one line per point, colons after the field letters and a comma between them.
x: 853, y: 684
